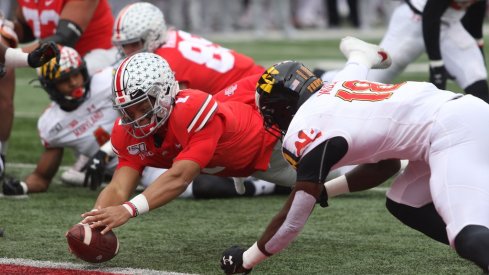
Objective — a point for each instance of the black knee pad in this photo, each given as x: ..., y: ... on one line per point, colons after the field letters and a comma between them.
x: 424, y: 219
x: 479, y: 89
x: 472, y: 243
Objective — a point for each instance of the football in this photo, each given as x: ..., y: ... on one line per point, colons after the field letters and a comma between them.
x: 90, y: 245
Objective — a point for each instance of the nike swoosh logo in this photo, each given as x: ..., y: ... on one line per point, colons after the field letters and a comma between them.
x: 49, y: 2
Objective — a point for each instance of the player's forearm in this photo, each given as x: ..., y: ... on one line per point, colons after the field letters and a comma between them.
x: 366, y: 176
x: 166, y: 188
x: 286, y: 225
x: 111, y: 196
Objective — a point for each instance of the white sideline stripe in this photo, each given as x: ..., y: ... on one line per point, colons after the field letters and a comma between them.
x: 87, y: 267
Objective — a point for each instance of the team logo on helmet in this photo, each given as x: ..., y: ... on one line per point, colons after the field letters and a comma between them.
x: 267, y: 80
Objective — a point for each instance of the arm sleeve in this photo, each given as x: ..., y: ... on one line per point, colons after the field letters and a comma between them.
x: 315, y: 165
x: 431, y: 22
x: 474, y: 19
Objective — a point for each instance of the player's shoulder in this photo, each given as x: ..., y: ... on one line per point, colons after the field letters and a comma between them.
x: 102, y: 81
x: 192, y: 110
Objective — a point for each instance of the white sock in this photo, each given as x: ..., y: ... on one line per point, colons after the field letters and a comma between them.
x: 352, y: 71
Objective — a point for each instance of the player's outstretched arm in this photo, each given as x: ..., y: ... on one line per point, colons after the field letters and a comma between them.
x: 164, y: 189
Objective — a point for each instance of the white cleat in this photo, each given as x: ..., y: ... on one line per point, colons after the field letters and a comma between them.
x: 360, y: 51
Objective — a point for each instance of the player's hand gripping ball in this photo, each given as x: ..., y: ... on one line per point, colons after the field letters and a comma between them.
x: 90, y: 245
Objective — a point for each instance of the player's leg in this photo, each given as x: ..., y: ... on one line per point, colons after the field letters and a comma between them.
x: 409, y: 200
x: 7, y: 87
x: 403, y: 41
x: 361, y: 57
x: 459, y: 162
x: 460, y: 51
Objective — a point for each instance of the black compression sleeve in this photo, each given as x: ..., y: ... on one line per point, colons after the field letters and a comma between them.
x: 431, y: 22
x: 67, y: 33
x: 474, y: 19
x: 315, y: 165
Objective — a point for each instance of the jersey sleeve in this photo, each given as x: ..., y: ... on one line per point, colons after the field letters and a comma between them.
x: 119, y: 142
x: 195, y: 125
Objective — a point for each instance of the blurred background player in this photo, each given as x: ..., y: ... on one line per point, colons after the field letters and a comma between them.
x: 452, y: 47
x: 63, y: 23
x: 81, y: 118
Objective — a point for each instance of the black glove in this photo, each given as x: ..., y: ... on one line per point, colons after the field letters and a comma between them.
x: 439, y: 76
x: 95, y: 170
x: 42, y: 54
x: 232, y: 261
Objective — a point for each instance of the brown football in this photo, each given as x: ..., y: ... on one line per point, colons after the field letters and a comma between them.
x: 90, y: 245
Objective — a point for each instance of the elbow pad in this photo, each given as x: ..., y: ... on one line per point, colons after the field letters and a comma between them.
x: 67, y: 33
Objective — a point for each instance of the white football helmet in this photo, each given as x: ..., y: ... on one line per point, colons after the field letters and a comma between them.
x: 140, y: 21
x: 144, y: 82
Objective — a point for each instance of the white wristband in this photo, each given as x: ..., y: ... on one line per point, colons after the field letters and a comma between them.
x: 337, y: 186
x: 15, y: 58
x: 141, y: 204
x: 253, y: 256
x: 436, y: 63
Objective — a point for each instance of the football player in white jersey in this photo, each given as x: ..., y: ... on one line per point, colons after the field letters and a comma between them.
x: 452, y: 47
x: 355, y: 121
x: 451, y: 33
x: 79, y: 117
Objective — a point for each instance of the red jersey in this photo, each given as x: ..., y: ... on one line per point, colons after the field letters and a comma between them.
x: 224, y: 138
x: 203, y: 65
x: 42, y: 16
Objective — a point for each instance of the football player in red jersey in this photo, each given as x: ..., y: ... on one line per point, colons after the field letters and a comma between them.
x: 187, y: 131
x: 197, y: 63
x: 62, y: 22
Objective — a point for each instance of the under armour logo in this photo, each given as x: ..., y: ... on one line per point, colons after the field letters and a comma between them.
x: 228, y: 261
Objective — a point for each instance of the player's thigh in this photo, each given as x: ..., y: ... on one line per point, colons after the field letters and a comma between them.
x: 460, y: 52
x: 411, y: 187
x: 403, y: 41
x: 459, y: 162
x: 280, y: 171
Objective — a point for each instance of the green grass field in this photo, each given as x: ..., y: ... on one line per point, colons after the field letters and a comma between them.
x: 355, y: 235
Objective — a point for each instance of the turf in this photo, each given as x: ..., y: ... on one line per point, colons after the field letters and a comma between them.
x: 355, y: 235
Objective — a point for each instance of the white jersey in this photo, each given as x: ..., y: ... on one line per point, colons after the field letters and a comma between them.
x: 86, y: 128
x: 454, y: 13
x: 379, y: 121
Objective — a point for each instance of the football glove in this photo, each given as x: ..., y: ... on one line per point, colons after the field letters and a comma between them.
x: 232, y: 261
x: 439, y: 76
x: 42, y: 54
x: 95, y: 170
